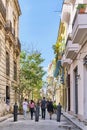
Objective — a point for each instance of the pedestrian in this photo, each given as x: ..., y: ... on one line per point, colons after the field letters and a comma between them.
x: 25, y: 107
x: 32, y: 108
x: 50, y: 108
x: 47, y: 104
x: 43, y: 107
x: 59, y: 112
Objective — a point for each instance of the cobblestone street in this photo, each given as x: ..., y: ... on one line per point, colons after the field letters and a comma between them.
x: 28, y: 124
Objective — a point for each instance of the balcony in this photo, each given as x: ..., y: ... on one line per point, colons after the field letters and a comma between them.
x: 71, y: 50
x: 65, y: 17
x: 69, y: 1
x: 17, y: 44
x: 2, y: 10
x: 8, y: 26
x: 65, y: 62
x: 10, y: 32
x: 79, y: 30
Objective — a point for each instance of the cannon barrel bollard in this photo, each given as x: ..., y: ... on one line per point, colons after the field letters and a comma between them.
x: 58, y: 116
x: 37, y: 113
x: 15, y: 112
x: 58, y: 112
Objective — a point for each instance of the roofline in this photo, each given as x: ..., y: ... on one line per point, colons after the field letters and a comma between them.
x: 18, y: 7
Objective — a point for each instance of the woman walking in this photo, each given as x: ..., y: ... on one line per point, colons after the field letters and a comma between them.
x: 31, y: 106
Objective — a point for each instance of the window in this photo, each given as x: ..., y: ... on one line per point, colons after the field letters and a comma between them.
x: 15, y: 71
x: 7, y: 64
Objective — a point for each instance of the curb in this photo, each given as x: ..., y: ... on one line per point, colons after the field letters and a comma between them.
x: 74, y: 122
x: 5, y: 117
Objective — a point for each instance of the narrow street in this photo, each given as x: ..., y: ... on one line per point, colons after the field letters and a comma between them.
x: 46, y: 124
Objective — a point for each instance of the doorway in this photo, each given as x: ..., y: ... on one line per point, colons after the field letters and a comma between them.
x: 7, y: 94
x: 76, y: 90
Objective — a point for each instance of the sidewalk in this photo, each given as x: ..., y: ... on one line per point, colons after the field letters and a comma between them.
x: 5, y: 117
x: 74, y: 120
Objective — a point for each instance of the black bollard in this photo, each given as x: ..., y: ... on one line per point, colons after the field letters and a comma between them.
x: 37, y: 113
x: 15, y: 111
x: 58, y: 112
x: 58, y: 116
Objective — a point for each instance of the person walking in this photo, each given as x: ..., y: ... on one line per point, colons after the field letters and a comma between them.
x: 43, y: 108
x: 50, y: 108
x: 25, y: 107
x: 32, y: 107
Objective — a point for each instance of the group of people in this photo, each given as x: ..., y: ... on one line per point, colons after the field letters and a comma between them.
x: 27, y: 105
x: 43, y: 105
x: 49, y: 105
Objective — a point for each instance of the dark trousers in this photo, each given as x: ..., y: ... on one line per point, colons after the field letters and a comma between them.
x: 31, y: 111
x: 43, y: 113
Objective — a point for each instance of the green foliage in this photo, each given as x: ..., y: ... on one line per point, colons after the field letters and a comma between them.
x: 81, y: 6
x: 54, y: 106
x: 31, y: 73
x: 20, y: 108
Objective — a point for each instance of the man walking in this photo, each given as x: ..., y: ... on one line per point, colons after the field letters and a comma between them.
x: 43, y: 107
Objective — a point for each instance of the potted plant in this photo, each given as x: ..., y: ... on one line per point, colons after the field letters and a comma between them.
x: 81, y: 8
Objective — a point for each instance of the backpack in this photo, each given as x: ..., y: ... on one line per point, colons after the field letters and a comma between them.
x: 43, y: 104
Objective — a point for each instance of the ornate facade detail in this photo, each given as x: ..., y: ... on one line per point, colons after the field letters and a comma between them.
x: 9, y: 58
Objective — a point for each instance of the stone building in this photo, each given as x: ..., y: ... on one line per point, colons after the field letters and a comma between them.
x: 10, y: 48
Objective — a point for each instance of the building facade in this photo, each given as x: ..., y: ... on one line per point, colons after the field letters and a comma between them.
x: 74, y: 59
x: 10, y: 48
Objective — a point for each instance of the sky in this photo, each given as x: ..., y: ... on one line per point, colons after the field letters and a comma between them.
x: 38, y: 26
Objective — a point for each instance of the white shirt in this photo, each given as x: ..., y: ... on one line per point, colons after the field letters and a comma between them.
x: 25, y: 104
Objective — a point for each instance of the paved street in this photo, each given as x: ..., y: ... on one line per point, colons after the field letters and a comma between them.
x: 28, y: 124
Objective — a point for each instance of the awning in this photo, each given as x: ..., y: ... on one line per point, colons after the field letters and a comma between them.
x: 62, y: 76
x: 58, y: 66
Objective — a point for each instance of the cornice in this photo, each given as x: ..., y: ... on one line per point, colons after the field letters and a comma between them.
x: 18, y: 7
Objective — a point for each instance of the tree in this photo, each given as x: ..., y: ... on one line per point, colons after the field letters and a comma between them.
x: 31, y: 74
